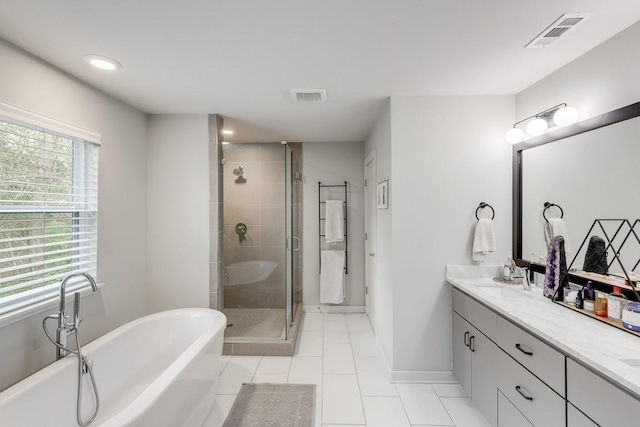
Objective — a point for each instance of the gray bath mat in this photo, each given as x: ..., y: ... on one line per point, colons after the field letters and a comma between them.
x: 273, y: 405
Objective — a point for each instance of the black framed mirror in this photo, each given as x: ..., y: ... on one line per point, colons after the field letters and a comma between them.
x: 589, y: 170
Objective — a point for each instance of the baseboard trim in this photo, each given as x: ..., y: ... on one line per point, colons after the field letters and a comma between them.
x: 421, y: 377
x: 333, y: 308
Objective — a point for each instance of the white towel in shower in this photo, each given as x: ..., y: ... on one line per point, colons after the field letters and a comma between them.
x: 484, y: 241
x: 332, y: 283
x: 556, y: 227
x: 334, y: 223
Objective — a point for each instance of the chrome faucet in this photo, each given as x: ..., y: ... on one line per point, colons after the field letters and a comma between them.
x: 64, y: 328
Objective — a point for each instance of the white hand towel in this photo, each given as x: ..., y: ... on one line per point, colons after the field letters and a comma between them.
x: 484, y: 241
x: 334, y: 224
x: 556, y: 227
x: 332, y: 277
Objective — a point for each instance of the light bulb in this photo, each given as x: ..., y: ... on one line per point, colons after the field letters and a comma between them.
x: 102, y: 62
x: 537, y: 127
x: 514, y: 135
x: 566, y: 116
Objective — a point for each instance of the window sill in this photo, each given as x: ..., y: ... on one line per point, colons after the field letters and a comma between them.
x: 40, y: 307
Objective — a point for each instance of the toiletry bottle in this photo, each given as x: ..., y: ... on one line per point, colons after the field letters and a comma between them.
x: 601, y: 304
x: 615, y: 304
x: 508, y: 270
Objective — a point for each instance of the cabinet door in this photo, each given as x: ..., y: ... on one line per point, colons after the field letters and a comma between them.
x: 484, y: 382
x: 508, y: 415
x: 576, y: 418
x: 461, y: 335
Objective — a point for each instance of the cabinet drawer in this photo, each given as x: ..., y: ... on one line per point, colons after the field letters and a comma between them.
x: 603, y: 402
x: 544, y: 361
x: 508, y: 415
x: 576, y: 418
x: 475, y: 313
x: 538, y: 403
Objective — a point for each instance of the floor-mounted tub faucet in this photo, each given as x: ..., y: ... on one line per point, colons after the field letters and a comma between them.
x: 64, y: 328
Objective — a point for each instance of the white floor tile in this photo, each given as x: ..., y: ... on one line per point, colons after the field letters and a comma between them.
x: 423, y: 405
x: 309, y: 344
x: 358, y: 322
x: 384, y: 412
x: 274, y: 365
x: 338, y: 359
x: 343, y: 425
x: 364, y: 344
x: 341, y: 402
x: 306, y: 370
x: 336, y: 337
x: 372, y: 377
x: 223, y: 363
x: 220, y: 411
x: 312, y: 321
x: 335, y: 322
x: 240, y: 369
x: 464, y: 413
x: 449, y: 390
x: 270, y: 378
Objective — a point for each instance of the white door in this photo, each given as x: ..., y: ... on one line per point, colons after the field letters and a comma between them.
x: 370, y: 236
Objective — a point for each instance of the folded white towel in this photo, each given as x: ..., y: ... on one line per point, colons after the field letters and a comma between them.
x: 556, y: 227
x: 332, y: 277
x: 334, y: 224
x: 484, y: 241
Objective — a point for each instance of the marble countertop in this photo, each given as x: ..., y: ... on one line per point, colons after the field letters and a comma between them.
x: 613, y: 353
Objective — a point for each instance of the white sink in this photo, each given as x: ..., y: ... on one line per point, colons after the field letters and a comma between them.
x: 502, y: 291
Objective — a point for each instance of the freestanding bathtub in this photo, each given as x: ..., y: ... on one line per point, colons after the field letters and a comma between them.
x: 159, y: 370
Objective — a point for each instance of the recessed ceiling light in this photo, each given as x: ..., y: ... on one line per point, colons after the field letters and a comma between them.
x: 102, y: 62
x: 227, y: 131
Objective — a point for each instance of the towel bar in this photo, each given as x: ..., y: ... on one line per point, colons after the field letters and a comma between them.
x: 548, y: 205
x: 320, y: 219
x: 485, y: 205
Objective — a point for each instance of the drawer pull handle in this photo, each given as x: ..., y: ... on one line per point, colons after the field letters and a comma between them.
x: 527, y: 352
x: 472, y: 341
x: 519, y: 390
x: 466, y: 339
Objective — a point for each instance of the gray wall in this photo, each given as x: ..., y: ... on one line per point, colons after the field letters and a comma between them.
x: 333, y: 163
x: 30, y: 84
x: 178, y: 204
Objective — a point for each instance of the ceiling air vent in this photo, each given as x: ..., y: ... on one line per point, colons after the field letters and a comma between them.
x: 561, y: 26
x: 309, y: 96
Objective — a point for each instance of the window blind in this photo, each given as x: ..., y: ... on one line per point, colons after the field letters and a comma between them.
x: 48, y: 206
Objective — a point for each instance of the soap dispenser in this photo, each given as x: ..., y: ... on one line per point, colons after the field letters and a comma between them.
x: 508, y: 270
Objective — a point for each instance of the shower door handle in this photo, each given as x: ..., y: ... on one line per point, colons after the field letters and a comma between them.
x: 297, y: 248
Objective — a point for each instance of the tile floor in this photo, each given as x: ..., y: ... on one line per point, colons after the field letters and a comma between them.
x: 339, y: 354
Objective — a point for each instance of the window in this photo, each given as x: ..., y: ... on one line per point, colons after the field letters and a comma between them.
x: 48, y: 206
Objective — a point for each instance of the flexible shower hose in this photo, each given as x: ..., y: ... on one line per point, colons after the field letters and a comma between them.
x: 82, y: 361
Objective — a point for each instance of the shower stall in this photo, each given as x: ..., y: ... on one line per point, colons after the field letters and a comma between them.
x: 262, y: 255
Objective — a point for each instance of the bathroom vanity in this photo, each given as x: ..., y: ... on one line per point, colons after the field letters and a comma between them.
x: 525, y: 361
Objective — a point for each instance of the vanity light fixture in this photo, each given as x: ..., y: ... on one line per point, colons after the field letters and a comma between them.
x: 102, y: 62
x: 227, y: 131
x: 560, y: 115
x: 225, y: 143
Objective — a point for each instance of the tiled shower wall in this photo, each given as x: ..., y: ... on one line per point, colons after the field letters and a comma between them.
x: 258, y: 201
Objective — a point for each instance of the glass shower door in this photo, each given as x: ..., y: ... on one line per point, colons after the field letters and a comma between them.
x: 293, y: 227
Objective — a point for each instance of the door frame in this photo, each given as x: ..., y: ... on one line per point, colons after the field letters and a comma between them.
x: 370, y: 214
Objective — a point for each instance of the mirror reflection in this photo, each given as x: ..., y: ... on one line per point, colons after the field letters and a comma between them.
x: 593, y: 175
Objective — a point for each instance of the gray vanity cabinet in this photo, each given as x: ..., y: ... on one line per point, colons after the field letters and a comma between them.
x: 576, y: 418
x: 508, y: 414
x: 474, y: 355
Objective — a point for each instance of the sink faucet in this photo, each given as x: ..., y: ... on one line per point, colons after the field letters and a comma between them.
x: 64, y: 328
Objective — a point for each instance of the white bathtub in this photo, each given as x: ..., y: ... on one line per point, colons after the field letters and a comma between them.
x: 243, y: 273
x: 159, y: 370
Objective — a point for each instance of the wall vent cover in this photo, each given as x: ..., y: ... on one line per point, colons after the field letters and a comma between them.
x: 309, y: 96
x: 559, y: 27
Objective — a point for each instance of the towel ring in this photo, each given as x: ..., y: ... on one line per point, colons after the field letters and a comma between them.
x: 548, y: 205
x: 485, y: 205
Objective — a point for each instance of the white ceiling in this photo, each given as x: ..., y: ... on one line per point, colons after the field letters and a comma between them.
x: 240, y: 58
